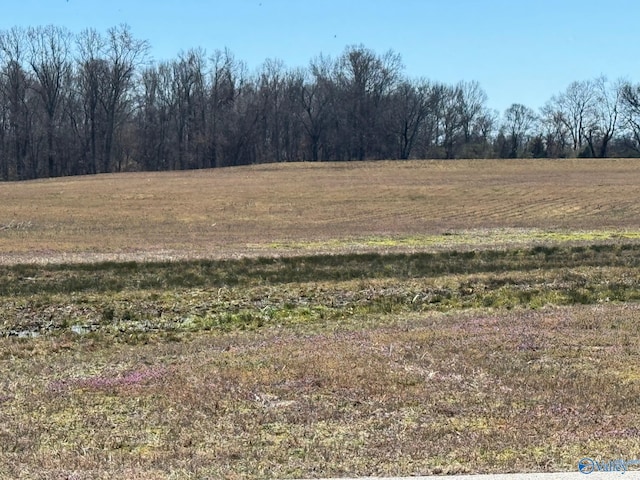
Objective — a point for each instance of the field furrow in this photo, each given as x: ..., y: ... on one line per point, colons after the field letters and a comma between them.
x: 225, y: 212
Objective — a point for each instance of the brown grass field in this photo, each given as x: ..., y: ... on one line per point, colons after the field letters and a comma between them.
x: 321, y: 320
x: 268, y: 209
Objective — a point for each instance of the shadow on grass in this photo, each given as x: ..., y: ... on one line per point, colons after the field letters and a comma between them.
x: 20, y: 280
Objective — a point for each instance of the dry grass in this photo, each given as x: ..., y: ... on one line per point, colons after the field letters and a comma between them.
x: 419, y: 394
x: 320, y: 366
x: 513, y: 347
x: 288, y: 207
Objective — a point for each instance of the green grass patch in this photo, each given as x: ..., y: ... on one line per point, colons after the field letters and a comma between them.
x: 266, y: 292
x: 462, y: 239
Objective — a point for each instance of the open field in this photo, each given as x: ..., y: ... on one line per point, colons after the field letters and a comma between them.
x: 459, y: 317
x: 289, y: 208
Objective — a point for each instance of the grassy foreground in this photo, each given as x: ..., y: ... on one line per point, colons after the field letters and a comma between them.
x: 357, y: 364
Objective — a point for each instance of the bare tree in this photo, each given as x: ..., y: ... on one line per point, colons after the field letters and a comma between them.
x: 92, y: 77
x: 574, y: 108
x: 239, y: 128
x: 518, y: 122
x: 49, y: 60
x: 473, y: 100
x: 223, y: 90
x: 188, y: 94
x: 4, y: 128
x: 411, y: 102
x: 555, y: 131
x: 366, y: 80
x: 476, y: 120
x: 630, y: 110
x: 318, y: 98
x: 271, y: 89
x: 604, y: 116
x: 99, y: 107
x: 484, y: 127
x: 293, y: 132
x: 451, y: 120
x: 16, y: 86
x: 124, y: 54
x: 587, y: 113
x: 235, y: 113
x: 154, y: 119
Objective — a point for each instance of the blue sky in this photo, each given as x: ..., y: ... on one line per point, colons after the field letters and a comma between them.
x: 520, y: 51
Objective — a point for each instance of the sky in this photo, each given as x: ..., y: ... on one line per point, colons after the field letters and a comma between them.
x: 520, y: 51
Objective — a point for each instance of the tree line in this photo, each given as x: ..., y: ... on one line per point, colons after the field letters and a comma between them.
x: 92, y: 102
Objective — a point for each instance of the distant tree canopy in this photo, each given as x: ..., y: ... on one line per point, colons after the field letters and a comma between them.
x: 93, y: 102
